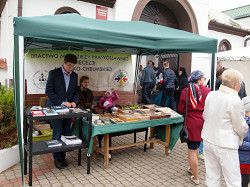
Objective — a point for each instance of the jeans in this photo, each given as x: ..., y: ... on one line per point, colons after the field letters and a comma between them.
x: 146, y: 92
x: 60, y: 127
x: 168, y: 92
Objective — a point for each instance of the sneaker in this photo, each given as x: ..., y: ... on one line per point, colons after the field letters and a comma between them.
x: 201, y: 156
x: 196, y: 182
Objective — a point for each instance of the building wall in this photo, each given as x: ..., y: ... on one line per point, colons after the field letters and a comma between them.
x: 236, y: 41
x: 49, y: 7
x: 7, y: 41
x: 122, y: 11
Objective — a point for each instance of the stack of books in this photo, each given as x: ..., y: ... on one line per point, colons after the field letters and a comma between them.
x: 50, y: 112
x: 61, y: 109
x: 53, y: 143
x: 71, y: 140
x: 37, y: 113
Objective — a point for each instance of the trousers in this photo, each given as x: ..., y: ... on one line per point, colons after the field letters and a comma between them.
x: 221, y: 161
x: 60, y: 127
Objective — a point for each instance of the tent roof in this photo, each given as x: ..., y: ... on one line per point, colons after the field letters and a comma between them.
x: 135, y: 37
x: 241, y: 54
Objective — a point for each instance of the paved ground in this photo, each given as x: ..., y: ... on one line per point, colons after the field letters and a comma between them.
x: 129, y: 167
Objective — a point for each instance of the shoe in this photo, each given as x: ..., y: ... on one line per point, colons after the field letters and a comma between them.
x: 64, y: 162
x: 58, y: 163
x: 196, y: 182
x: 190, y: 171
x: 201, y: 156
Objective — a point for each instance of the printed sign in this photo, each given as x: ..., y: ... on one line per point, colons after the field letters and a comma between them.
x: 101, y: 13
x: 105, y: 70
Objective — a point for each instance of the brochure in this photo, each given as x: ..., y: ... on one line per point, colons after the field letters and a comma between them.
x: 50, y: 112
x: 37, y: 113
x: 53, y: 143
x: 71, y: 140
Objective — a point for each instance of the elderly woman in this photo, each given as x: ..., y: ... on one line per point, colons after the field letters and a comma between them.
x: 197, y: 94
x: 223, y: 129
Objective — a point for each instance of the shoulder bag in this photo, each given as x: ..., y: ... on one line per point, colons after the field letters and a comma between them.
x: 184, y: 132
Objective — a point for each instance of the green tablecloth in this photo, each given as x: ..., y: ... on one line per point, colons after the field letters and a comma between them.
x: 176, y: 125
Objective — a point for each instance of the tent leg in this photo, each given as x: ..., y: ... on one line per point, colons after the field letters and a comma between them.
x: 138, y: 62
x: 212, y: 73
x: 17, y: 99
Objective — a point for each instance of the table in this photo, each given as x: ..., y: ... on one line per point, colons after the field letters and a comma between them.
x: 167, y: 139
x: 37, y: 148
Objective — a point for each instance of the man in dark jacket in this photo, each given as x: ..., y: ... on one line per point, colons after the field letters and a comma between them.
x: 62, y: 89
x: 148, y: 81
x: 168, y: 85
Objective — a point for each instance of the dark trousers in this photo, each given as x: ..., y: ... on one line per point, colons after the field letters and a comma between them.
x: 168, y: 92
x: 60, y: 127
x: 146, y: 92
x: 245, y: 179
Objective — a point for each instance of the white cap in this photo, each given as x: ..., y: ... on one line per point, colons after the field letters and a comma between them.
x: 246, y: 102
x: 109, y: 91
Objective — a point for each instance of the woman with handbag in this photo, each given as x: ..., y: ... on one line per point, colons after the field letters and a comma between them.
x: 196, y: 97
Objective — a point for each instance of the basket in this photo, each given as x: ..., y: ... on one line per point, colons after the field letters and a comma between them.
x: 46, y: 135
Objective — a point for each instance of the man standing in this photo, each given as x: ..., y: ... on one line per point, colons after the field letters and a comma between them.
x: 62, y: 89
x: 168, y: 85
x: 148, y: 81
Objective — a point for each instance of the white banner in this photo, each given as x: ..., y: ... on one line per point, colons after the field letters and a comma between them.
x: 105, y: 70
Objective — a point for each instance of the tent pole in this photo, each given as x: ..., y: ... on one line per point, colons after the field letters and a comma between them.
x: 137, y: 65
x: 17, y: 99
x: 212, y: 73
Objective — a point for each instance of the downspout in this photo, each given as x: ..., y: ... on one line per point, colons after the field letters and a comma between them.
x: 20, y: 8
x: 246, y: 38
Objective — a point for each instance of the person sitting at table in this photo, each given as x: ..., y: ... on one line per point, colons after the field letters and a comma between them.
x: 86, y: 96
x: 107, y: 101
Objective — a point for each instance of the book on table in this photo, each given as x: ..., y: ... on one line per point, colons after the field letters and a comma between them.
x: 50, y: 112
x: 61, y: 109
x: 37, y: 113
x: 71, y: 140
x: 53, y: 143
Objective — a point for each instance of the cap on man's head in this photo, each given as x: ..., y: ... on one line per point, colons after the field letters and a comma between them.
x: 246, y: 102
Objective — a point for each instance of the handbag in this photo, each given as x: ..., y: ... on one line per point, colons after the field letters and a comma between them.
x: 184, y: 132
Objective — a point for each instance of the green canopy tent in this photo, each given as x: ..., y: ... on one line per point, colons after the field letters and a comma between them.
x: 72, y: 30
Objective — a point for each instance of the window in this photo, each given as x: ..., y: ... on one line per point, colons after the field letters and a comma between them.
x: 224, y: 45
x: 66, y: 10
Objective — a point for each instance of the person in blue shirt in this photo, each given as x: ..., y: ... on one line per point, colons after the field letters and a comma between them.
x: 148, y: 81
x: 244, y: 149
x: 168, y: 86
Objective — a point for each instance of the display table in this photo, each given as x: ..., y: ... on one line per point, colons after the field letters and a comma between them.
x: 40, y: 147
x: 168, y: 138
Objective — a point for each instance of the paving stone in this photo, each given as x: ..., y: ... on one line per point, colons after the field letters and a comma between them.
x: 129, y: 167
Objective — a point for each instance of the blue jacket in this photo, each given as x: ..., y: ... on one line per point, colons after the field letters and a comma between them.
x: 148, y: 75
x: 169, y: 78
x: 56, y: 90
x: 244, y: 150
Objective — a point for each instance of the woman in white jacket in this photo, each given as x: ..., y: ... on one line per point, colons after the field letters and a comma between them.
x: 223, y: 129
